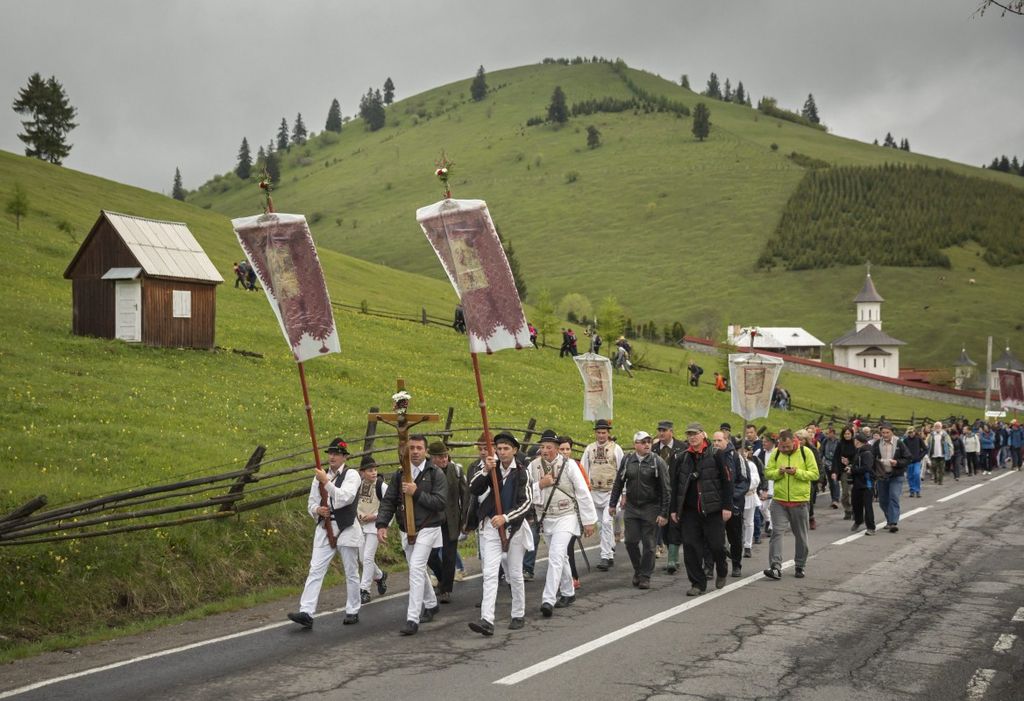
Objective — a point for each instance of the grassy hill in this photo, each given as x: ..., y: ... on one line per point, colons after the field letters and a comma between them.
x: 82, y: 417
x: 671, y: 226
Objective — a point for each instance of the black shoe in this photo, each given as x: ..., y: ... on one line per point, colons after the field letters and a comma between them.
x: 382, y: 584
x: 720, y: 582
x: 428, y: 614
x: 527, y: 576
x: 364, y: 596
x: 709, y: 572
x: 350, y: 618
x: 482, y: 627
x: 672, y: 567
x: 747, y: 553
x: 737, y: 571
x: 893, y: 528
x: 604, y: 564
x: 694, y: 591
x: 645, y: 583
x: 799, y: 574
x: 445, y: 597
x: 870, y: 531
x: 636, y: 580
x: 303, y: 619
x: 855, y: 527
x: 773, y: 573
x: 847, y: 516
x: 410, y: 628
x: 546, y: 609
x: 566, y: 601
x: 516, y: 623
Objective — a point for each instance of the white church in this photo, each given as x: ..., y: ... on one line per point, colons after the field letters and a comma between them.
x: 867, y: 348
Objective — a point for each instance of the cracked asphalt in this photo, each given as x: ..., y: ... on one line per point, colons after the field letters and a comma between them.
x: 910, y: 615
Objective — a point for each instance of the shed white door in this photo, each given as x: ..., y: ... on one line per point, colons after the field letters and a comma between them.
x: 128, y: 310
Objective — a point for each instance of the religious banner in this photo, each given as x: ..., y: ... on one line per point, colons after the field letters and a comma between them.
x: 281, y: 251
x: 1011, y: 389
x: 464, y: 239
x: 752, y: 379
x: 596, y: 371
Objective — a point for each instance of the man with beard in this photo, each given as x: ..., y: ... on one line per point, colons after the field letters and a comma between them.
x: 644, y: 477
x: 702, y: 505
x: 794, y: 473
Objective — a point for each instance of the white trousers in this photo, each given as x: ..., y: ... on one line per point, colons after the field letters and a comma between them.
x: 605, y: 524
x: 559, y: 578
x: 323, y: 553
x: 420, y: 592
x: 371, y: 573
x: 493, y: 558
x: 748, y: 522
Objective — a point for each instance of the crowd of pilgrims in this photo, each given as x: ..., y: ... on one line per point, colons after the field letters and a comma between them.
x: 710, y: 498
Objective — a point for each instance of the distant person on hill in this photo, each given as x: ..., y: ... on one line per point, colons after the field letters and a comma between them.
x: 251, y: 275
x: 240, y: 275
x: 533, y: 334
x: 622, y: 353
x: 459, y: 324
x: 695, y: 372
x: 595, y: 342
x: 573, y: 351
x: 720, y: 382
x: 564, y: 350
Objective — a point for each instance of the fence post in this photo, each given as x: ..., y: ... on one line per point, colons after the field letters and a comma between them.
x: 528, y: 433
x: 371, y: 430
x: 448, y: 424
x: 25, y: 509
x: 250, y: 467
x: 423, y: 315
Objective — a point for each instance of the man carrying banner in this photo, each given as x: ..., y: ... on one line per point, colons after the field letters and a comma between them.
x: 516, y: 505
x: 565, y: 509
x: 429, y: 492
x: 342, y: 485
x: 601, y: 460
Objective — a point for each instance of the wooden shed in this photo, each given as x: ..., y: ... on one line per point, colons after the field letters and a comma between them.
x: 143, y: 281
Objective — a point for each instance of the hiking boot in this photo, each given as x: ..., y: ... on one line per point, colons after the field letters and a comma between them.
x: 564, y: 601
x: 870, y: 531
x: 350, y: 618
x: 694, y: 591
x: 773, y: 573
x: 672, y: 567
x: 546, y: 609
x: 604, y: 564
x: 445, y: 597
x: 410, y: 628
x: 482, y: 627
x: 737, y: 571
x: 644, y: 583
x: 527, y: 575
x: 364, y: 596
x: 747, y: 553
x: 382, y: 584
x: 460, y: 575
x: 720, y: 581
x: 428, y: 614
x: 516, y: 623
x: 303, y: 619
x: 855, y: 527
x: 799, y: 574
x: 894, y: 528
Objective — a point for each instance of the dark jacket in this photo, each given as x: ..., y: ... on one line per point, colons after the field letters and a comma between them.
x: 646, y: 481
x: 915, y: 447
x: 707, y: 473
x: 862, y: 467
x: 901, y: 455
x: 828, y: 454
x: 428, y: 501
x: 844, y: 449
x: 516, y: 499
x: 740, y: 478
x: 458, y: 490
x: 470, y: 517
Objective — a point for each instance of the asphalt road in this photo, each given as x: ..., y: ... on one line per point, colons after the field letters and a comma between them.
x: 932, y: 612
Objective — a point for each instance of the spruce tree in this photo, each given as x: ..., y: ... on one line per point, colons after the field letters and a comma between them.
x: 727, y: 94
x: 889, y: 141
x: 371, y: 109
x: 557, y: 111
x: 1014, y: 165
x: 334, y: 117
x: 261, y: 159
x: 177, y: 191
x: 244, y: 168
x: 741, y: 95
x: 810, y: 110
x: 389, y: 91
x: 50, y: 114
x: 299, y: 131
x: 593, y: 137
x: 701, y: 121
x: 713, y: 90
x: 273, y: 168
x: 1004, y: 164
x: 685, y: 81
x: 478, y: 88
x: 282, y: 135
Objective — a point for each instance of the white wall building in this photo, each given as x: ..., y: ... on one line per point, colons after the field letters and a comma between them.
x: 791, y: 340
x: 867, y: 348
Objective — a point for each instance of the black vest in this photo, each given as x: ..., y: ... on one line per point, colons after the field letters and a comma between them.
x: 345, y: 517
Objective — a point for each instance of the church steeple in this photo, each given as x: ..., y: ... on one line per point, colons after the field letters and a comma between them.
x: 869, y: 304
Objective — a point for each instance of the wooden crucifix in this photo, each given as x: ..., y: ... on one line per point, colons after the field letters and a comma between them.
x: 402, y: 421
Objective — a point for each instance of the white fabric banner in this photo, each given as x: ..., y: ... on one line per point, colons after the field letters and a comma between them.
x: 1011, y: 389
x: 752, y: 379
x: 280, y: 249
x: 596, y: 371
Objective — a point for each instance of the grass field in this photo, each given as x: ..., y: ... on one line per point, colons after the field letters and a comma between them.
x: 82, y: 416
x: 682, y: 221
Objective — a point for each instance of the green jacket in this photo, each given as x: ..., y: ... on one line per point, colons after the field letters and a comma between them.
x: 795, y: 488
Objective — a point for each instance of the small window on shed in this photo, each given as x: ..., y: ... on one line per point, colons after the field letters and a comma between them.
x: 182, y: 304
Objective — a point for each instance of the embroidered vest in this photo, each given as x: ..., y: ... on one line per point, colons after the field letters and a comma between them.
x: 602, y: 466
x: 563, y: 499
x: 367, y: 501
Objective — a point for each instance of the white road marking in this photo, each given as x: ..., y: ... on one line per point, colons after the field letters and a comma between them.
x: 954, y: 495
x: 978, y: 684
x: 849, y: 538
x: 1004, y: 643
x: 604, y: 640
x: 1005, y: 474
x: 913, y: 512
x: 1019, y: 616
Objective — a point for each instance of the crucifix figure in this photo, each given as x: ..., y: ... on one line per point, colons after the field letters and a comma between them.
x: 402, y: 421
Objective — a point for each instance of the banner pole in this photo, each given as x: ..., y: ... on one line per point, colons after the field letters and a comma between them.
x: 495, y: 487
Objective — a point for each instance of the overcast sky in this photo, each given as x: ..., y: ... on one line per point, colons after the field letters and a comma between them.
x: 161, y: 84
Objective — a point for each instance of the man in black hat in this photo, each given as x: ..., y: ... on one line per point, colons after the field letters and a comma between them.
x: 601, y: 460
x: 516, y: 494
x: 442, y: 560
x: 702, y: 504
x: 429, y: 492
x: 371, y: 491
x: 671, y: 451
x: 342, y: 485
x: 564, y: 509
x: 644, y: 478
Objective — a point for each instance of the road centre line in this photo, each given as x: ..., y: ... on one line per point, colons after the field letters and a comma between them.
x: 1004, y: 643
x: 1019, y: 616
x: 954, y: 495
x: 1005, y: 474
x: 978, y: 684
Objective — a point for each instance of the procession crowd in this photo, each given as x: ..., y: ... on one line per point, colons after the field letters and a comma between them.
x: 710, y: 498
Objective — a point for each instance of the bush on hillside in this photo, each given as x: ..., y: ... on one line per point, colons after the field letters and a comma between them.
x: 768, y: 105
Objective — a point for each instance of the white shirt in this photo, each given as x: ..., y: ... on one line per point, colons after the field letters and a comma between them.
x: 584, y: 501
x: 337, y: 498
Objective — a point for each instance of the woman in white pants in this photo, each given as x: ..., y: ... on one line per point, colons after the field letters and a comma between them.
x: 564, y: 507
x: 751, y: 502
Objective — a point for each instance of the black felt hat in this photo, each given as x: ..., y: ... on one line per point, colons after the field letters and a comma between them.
x: 338, y: 445
x: 506, y: 437
x: 549, y: 436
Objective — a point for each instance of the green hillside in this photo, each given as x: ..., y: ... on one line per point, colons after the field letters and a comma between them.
x: 82, y: 417
x: 671, y: 226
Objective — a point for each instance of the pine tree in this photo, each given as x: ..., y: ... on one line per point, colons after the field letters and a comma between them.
x: 177, y: 191
x: 299, y: 131
x: 389, y: 91
x: 701, y: 121
x: 334, y: 117
x: 810, y: 110
x: 741, y: 95
x: 593, y: 137
x: 727, y: 95
x: 557, y: 111
x: 1015, y: 165
x: 244, y: 168
x: 50, y: 114
x: 261, y: 160
x: 713, y: 90
x: 478, y: 88
x: 889, y: 141
x: 273, y: 168
x: 371, y: 109
x: 282, y: 135
x: 17, y: 205
x: 1004, y: 164
x: 685, y: 81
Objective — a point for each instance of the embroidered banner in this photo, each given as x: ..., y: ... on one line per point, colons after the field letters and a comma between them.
x: 1011, y: 389
x: 752, y: 379
x: 464, y: 239
x: 596, y: 371
x: 281, y: 251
